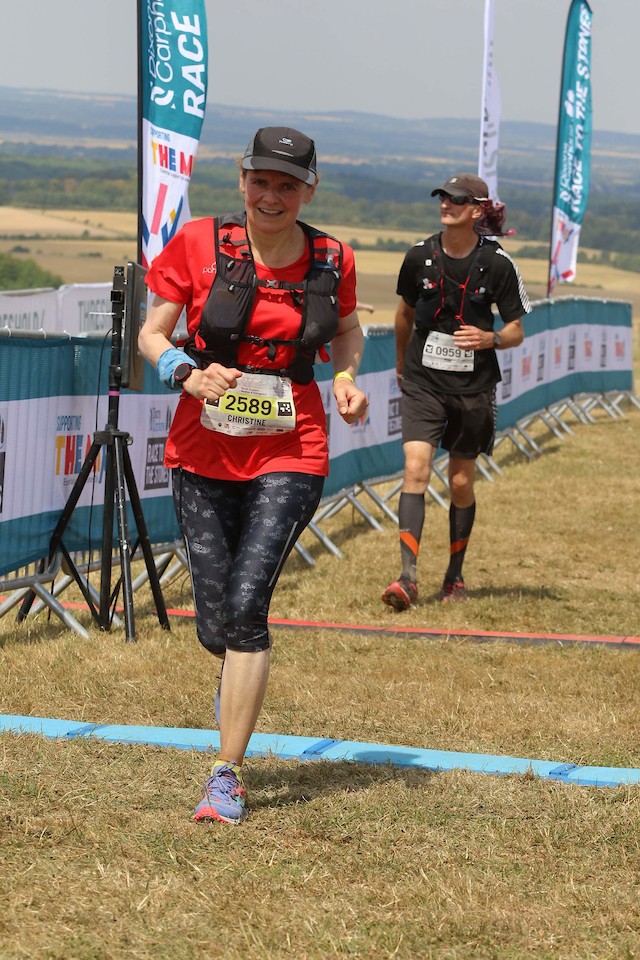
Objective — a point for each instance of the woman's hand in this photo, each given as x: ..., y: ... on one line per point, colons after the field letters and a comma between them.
x: 352, y: 402
x: 211, y: 383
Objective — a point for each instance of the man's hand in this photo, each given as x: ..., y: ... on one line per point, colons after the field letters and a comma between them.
x: 472, y: 338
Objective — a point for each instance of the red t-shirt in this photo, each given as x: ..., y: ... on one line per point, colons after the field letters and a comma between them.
x: 183, y: 273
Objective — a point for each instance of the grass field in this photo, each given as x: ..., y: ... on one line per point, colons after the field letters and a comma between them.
x: 100, y: 859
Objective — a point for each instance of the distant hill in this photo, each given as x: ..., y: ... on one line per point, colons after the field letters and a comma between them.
x: 384, y: 144
x: 80, y: 151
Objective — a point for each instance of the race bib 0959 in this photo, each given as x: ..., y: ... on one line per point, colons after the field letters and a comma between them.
x: 441, y: 353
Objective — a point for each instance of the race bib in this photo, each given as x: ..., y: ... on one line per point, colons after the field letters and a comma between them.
x: 260, y: 405
x: 441, y: 353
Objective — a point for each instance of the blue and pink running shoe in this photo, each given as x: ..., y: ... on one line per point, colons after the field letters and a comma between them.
x: 224, y: 795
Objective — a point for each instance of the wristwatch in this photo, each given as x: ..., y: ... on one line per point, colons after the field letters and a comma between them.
x: 496, y: 340
x: 181, y: 373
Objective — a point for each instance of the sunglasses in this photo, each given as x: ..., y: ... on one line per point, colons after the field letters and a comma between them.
x: 456, y: 201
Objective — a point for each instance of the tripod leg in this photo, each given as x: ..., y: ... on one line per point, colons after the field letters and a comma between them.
x: 65, y: 517
x: 121, y: 454
x: 145, y: 544
x: 106, y: 564
x: 74, y: 496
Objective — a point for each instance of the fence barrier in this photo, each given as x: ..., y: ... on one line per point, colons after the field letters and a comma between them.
x: 577, y: 356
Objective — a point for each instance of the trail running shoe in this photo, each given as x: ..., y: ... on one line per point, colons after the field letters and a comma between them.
x: 453, y: 591
x: 224, y: 795
x: 400, y: 594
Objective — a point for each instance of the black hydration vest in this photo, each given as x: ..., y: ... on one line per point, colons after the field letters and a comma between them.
x: 226, y: 313
x: 469, y: 303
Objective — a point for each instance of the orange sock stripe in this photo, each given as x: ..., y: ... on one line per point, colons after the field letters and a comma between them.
x: 410, y: 541
x: 459, y: 545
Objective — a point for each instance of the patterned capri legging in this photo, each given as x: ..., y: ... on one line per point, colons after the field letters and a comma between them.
x: 238, y: 535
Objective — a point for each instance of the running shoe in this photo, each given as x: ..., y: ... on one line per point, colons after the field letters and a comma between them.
x: 400, y: 594
x: 224, y: 795
x: 453, y: 591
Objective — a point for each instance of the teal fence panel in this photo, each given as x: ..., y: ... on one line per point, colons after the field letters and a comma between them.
x: 54, y: 396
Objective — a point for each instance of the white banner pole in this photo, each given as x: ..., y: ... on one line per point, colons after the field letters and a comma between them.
x: 490, y: 110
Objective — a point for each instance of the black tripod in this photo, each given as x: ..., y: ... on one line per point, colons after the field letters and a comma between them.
x: 118, y: 478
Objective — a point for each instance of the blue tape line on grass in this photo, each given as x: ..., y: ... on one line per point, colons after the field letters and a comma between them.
x: 43, y: 726
x: 317, y: 748
x: 310, y: 748
x: 603, y: 776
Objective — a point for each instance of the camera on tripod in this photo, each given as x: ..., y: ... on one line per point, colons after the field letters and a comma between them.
x: 126, y: 369
x: 129, y: 296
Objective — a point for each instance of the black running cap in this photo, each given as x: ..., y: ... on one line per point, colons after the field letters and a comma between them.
x: 283, y: 149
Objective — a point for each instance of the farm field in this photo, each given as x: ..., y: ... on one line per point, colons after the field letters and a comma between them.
x: 23, y: 222
x: 83, y: 246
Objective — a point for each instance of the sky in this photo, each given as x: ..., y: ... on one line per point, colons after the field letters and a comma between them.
x: 402, y: 58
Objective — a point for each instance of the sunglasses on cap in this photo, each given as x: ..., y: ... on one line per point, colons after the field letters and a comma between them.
x: 456, y: 201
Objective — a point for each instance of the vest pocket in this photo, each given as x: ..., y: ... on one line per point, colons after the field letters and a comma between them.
x: 426, y: 309
x: 228, y: 306
x: 478, y: 311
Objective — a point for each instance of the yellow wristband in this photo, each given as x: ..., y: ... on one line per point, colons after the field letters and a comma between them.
x: 345, y: 374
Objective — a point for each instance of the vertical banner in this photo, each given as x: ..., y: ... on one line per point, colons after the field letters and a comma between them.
x: 172, y: 91
x: 573, y: 150
x: 491, y: 110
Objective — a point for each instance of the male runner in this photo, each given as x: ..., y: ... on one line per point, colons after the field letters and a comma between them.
x: 447, y: 366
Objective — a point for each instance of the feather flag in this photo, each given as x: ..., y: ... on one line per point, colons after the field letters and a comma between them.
x: 491, y: 110
x: 172, y: 92
x: 573, y: 151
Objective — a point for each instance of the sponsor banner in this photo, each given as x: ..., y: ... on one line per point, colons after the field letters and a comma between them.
x: 75, y: 309
x: 371, y: 447
x: 572, y: 346
x: 60, y: 430
x: 147, y: 418
x: 552, y: 355
x: 29, y: 311
x: 491, y: 109
x: 573, y: 150
x: 84, y: 308
x: 173, y: 68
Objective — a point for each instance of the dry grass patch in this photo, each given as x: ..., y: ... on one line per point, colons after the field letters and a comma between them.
x: 336, y: 861
x: 100, y: 858
x: 553, y: 548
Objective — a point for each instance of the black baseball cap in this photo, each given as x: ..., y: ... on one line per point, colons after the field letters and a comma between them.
x: 464, y: 185
x: 283, y: 149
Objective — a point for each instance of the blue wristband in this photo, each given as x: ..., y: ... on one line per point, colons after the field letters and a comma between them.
x: 167, y: 363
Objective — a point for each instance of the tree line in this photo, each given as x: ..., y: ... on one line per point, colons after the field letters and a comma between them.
x: 375, y: 195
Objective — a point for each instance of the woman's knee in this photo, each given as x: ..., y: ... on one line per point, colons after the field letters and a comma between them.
x: 246, y: 625
x: 213, y: 641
